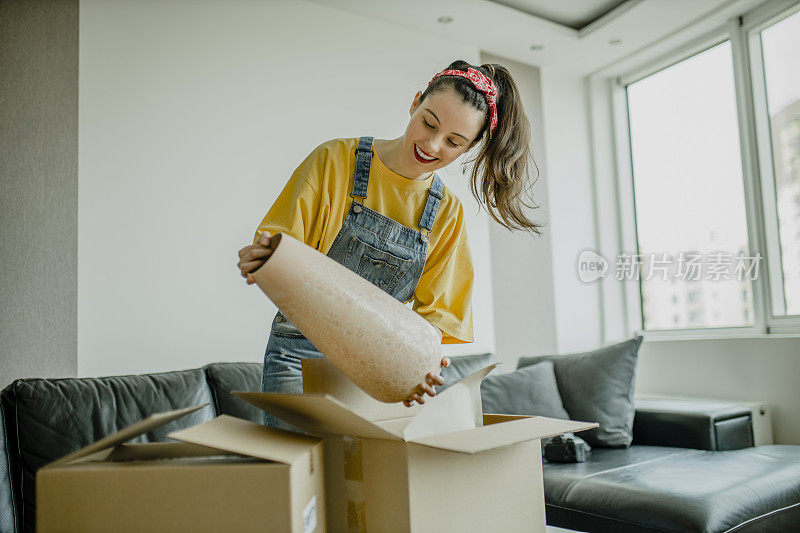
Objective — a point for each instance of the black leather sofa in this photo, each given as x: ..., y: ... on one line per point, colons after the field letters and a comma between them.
x: 650, y: 486
x: 692, y: 466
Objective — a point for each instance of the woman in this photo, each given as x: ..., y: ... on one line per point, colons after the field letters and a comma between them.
x: 378, y: 207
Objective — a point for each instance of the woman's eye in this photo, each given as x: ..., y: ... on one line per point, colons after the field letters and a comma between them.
x: 454, y: 145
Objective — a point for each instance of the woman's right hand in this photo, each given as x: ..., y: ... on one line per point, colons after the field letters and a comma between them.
x: 253, y: 257
x: 427, y: 387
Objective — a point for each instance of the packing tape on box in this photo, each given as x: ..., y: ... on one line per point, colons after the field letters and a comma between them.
x: 354, y: 485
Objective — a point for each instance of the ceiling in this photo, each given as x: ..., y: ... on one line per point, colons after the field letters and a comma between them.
x: 583, y: 36
x: 575, y: 14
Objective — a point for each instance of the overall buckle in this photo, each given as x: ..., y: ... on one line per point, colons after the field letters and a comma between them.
x: 425, y: 234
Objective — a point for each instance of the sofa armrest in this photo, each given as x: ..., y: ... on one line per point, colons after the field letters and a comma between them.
x: 697, y: 424
x: 8, y: 523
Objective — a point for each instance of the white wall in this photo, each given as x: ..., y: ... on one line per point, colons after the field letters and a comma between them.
x: 570, y: 197
x: 745, y: 369
x: 192, y: 117
x: 522, y: 273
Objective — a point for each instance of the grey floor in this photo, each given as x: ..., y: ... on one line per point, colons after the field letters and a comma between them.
x: 554, y: 529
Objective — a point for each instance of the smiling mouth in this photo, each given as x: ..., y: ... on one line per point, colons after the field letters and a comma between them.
x: 421, y: 156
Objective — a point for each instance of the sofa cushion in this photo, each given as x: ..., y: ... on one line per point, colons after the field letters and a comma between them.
x: 597, y: 386
x: 652, y: 488
x: 226, y: 377
x: 50, y: 418
x: 528, y: 391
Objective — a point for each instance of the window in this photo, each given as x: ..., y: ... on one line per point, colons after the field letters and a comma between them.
x: 779, y: 44
x: 689, y: 192
x: 706, y: 146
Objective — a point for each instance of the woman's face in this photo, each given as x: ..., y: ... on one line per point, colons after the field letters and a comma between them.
x: 442, y: 127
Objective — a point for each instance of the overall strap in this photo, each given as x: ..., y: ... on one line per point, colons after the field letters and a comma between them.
x: 363, y: 161
x: 431, y: 206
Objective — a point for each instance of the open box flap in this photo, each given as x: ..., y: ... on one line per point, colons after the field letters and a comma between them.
x: 148, y: 451
x: 320, y: 377
x: 503, y: 434
x: 318, y: 414
x: 449, y: 411
x: 455, y: 409
x: 233, y: 434
x: 131, y: 432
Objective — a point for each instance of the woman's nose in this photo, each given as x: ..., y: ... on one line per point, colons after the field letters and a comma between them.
x: 431, y: 148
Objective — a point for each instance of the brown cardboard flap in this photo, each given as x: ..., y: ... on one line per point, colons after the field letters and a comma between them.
x: 489, y: 418
x: 131, y: 432
x: 503, y: 434
x: 145, y: 451
x: 473, y: 384
x: 315, y: 414
x: 148, y: 451
x: 394, y: 426
x: 451, y: 411
x: 233, y: 434
x: 320, y: 377
x: 457, y: 408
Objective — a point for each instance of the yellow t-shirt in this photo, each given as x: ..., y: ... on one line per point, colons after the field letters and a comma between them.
x: 312, y: 206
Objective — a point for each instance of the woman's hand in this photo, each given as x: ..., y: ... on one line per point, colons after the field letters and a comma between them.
x: 426, y: 388
x: 253, y: 257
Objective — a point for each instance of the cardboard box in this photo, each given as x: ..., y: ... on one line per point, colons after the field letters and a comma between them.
x: 442, y: 466
x: 227, y: 474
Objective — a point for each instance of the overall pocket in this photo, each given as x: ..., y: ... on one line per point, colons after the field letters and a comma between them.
x: 281, y: 327
x: 382, y: 269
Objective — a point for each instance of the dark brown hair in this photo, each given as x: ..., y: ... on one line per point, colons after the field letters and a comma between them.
x: 500, y: 179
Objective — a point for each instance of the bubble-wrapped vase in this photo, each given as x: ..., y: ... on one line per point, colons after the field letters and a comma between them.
x: 380, y: 344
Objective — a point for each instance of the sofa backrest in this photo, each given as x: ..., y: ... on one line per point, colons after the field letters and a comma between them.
x: 46, y: 419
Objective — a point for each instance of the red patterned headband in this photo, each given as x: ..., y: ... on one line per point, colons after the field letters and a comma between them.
x: 484, y: 84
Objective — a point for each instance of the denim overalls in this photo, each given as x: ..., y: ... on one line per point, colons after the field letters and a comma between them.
x: 377, y: 248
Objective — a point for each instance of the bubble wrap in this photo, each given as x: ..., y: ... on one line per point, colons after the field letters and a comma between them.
x: 380, y: 344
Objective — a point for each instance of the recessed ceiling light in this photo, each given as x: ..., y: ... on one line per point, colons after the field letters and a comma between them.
x: 615, y: 42
x: 445, y: 19
x: 537, y: 47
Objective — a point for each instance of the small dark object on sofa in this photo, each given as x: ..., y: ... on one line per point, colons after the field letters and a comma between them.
x: 567, y: 448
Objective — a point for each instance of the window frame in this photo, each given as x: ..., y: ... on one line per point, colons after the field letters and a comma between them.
x: 743, y: 32
x: 751, y: 26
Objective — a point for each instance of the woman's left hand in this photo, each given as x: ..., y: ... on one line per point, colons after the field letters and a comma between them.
x: 426, y: 387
